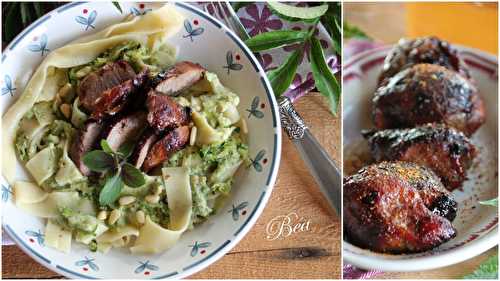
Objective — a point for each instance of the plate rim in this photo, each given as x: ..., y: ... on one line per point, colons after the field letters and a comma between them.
x: 465, y: 252
x: 275, y: 163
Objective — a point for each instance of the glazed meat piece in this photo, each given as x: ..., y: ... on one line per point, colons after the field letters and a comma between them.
x: 446, y: 151
x: 165, y: 113
x: 172, y: 142
x: 86, y: 139
x: 147, y: 139
x: 115, y: 99
x: 429, y: 50
x: 181, y: 76
x: 96, y: 83
x: 397, y: 207
x: 427, y: 93
x: 125, y: 129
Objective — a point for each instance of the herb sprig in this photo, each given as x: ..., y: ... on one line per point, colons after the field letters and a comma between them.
x: 116, y: 170
x: 282, y: 77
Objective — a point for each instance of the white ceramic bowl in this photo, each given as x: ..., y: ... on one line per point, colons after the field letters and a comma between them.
x: 477, y: 225
x: 204, y: 40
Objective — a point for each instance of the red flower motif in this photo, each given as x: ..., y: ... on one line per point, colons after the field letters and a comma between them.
x: 260, y: 22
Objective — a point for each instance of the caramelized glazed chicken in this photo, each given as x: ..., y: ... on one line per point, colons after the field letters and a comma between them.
x: 446, y: 151
x: 427, y: 93
x: 165, y: 113
x: 397, y: 207
x: 172, y: 142
x: 429, y: 50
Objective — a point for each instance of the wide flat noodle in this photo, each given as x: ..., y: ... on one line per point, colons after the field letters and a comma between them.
x: 57, y: 237
x: 155, y: 25
x: 152, y: 237
x: 49, y: 207
x: 115, y: 234
x: 28, y: 193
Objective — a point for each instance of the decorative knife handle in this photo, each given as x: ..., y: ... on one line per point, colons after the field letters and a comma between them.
x: 321, y: 166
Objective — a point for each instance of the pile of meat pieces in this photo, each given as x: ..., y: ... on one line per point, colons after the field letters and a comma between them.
x: 424, y: 110
x: 125, y: 106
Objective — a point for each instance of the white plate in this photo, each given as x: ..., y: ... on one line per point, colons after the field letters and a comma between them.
x: 210, y: 45
x: 477, y: 225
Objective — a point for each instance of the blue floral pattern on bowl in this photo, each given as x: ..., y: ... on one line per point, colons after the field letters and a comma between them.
x: 9, y: 86
x: 199, y: 247
x: 40, y: 46
x: 254, y: 109
x: 258, y: 158
x: 87, y: 22
x: 238, y: 210
x: 231, y: 64
x: 38, y: 235
x: 86, y: 263
x: 6, y: 192
x: 192, y: 32
x: 145, y: 266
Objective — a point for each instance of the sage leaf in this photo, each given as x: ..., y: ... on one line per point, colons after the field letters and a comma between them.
x: 126, y: 149
x: 492, y: 202
x: 98, y: 161
x: 323, y: 78
x: 293, y: 13
x: 132, y: 176
x: 275, y: 39
x: 111, y: 190
x: 487, y: 270
x: 282, y: 77
x: 106, y: 147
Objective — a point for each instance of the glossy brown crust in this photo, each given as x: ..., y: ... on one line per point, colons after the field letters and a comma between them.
x: 428, y: 93
x: 96, y: 83
x: 142, y: 148
x: 165, y: 113
x: 446, y: 151
x: 85, y: 141
x: 124, y: 129
x: 396, y: 207
x: 173, y: 141
x: 429, y: 50
x: 115, y: 99
x: 182, y: 75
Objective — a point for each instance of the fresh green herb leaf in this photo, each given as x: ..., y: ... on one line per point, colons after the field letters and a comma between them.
x: 98, y: 161
x: 12, y: 23
x: 293, y: 13
x: 111, y: 190
x: 282, y: 76
x: 25, y: 17
x: 118, y: 7
x: 491, y: 202
x: 275, y: 39
x: 126, y: 149
x: 351, y: 31
x: 487, y: 270
x: 132, y: 176
x: 105, y: 146
x: 238, y: 5
x: 324, y: 80
x: 38, y: 9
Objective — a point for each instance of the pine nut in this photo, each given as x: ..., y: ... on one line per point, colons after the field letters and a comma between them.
x: 244, y: 127
x: 152, y: 198
x: 102, y: 215
x: 192, y: 136
x: 66, y: 110
x: 114, y: 216
x: 140, y: 217
x: 158, y: 189
x: 125, y: 200
x: 65, y: 90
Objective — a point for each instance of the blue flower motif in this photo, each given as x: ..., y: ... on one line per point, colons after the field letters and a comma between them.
x: 87, y: 22
x: 145, y: 265
x: 254, y: 111
x: 256, y: 161
x: 197, y: 246
x: 9, y: 87
x: 137, y: 12
x: 38, y: 235
x: 87, y: 262
x: 6, y: 192
x: 231, y: 65
x: 192, y: 32
x: 41, y: 46
x: 235, y: 211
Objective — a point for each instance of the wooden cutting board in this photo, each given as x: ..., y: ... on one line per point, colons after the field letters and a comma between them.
x: 313, y: 253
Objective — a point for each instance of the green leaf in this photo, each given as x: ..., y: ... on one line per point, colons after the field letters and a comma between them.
x: 111, y: 190
x: 132, y: 176
x: 487, y: 270
x: 98, y: 161
x: 351, y: 31
x: 238, y: 5
x: 282, y: 77
x: 118, y: 7
x: 126, y: 149
x: 25, y: 17
x: 105, y: 146
x: 38, y: 9
x: 293, y: 13
x: 12, y: 23
x: 491, y: 202
x: 275, y: 39
x: 323, y: 78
